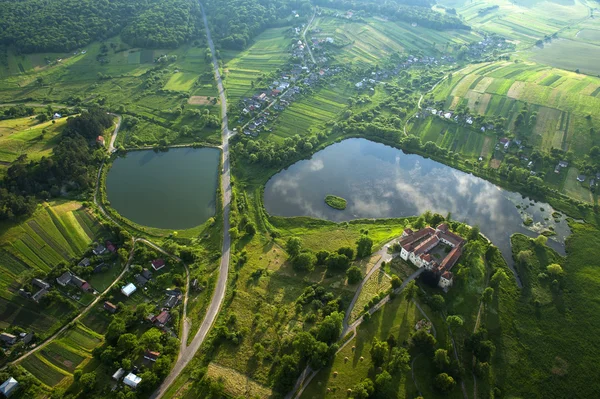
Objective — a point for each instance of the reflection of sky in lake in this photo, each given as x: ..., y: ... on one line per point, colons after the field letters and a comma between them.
x: 380, y: 181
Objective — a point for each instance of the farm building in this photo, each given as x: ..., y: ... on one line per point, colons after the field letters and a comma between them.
x: 118, y: 374
x: 80, y: 283
x: 9, y: 387
x: 162, y: 319
x: 128, y: 289
x: 64, y: 279
x: 8, y: 339
x: 111, y: 308
x: 99, y: 250
x: 158, y: 264
x: 85, y: 262
x: 151, y: 355
x: 132, y: 380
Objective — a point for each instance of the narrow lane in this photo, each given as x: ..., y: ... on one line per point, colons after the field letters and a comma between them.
x: 219, y: 293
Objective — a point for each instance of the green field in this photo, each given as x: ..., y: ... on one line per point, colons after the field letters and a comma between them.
x: 524, y: 23
x: 58, y: 232
x: 23, y: 136
x: 270, y: 51
x: 371, y: 40
x: 562, y: 99
x: 43, y: 370
x: 181, y: 81
x: 571, y: 55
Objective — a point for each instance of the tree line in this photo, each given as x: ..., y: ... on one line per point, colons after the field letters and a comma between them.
x: 71, y: 167
x: 32, y: 26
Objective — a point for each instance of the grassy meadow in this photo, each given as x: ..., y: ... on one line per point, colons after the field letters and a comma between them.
x: 544, y: 332
x: 368, y: 41
x: 523, y: 23
x: 127, y: 81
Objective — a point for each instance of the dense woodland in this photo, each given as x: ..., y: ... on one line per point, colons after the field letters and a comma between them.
x: 62, y: 25
x: 71, y: 167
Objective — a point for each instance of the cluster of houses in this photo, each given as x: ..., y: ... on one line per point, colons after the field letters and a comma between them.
x: 8, y: 339
x: 172, y: 296
x: 593, y: 181
x: 279, y: 95
x: 132, y: 380
x: 417, y: 248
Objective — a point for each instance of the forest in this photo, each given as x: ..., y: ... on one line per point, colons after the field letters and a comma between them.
x: 31, y: 26
x: 71, y: 167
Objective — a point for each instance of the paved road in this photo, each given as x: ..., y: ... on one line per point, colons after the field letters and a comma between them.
x: 111, y: 146
x: 219, y: 293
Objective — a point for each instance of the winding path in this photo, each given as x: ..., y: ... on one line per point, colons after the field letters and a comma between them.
x: 189, y: 352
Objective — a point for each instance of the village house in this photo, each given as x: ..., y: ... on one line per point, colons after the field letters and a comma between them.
x: 158, y: 264
x: 99, y: 250
x: 141, y: 280
x: 151, y: 355
x: 8, y: 339
x: 9, y: 387
x: 111, y: 247
x: 80, y: 283
x: 147, y: 274
x: 581, y: 178
x: 64, y: 279
x: 173, y: 298
x: 26, y: 338
x: 56, y: 116
x: 417, y: 248
x: 85, y: 262
x: 100, y: 140
x: 132, y: 380
x: 162, y: 319
x: 128, y: 289
x: 111, y: 308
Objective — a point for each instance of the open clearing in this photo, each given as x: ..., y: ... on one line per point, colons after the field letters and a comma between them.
x: 181, y: 81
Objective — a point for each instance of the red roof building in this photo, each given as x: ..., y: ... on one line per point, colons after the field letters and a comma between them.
x: 158, y: 264
x: 162, y: 319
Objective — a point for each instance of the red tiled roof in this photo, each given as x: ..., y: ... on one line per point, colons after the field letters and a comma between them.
x: 447, y: 275
x: 162, y: 318
x: 426, y: 245
x: 451, y: 259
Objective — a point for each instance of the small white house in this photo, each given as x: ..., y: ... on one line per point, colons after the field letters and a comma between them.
x: 132, y: 380
x: 128, y: 289
x: 56, y: 116
x: 9, y: 387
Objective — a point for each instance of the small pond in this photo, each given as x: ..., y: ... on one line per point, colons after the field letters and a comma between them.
x: 168, y: 190
x: 379, y: 181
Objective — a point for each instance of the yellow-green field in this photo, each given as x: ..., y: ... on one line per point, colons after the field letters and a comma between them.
x: 25, y: 136
x: 567, y: 103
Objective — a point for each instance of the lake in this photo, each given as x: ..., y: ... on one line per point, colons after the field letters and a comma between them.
x: 168, y: 190
x: 379, y: 181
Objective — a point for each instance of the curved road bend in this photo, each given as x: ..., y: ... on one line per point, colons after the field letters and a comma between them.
x: 219, y: 294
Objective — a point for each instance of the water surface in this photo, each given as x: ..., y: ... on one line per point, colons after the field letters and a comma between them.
x: 169, y: 190
x: 379, y: 181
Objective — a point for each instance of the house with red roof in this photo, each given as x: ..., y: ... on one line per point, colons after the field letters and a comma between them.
x: 158, y: 264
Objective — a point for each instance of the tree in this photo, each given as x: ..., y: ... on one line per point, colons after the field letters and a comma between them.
x: 474, y: 233
x: 363, y: 389
x: 383, y: 383
x: 87, y: 381
x: 346, y: 251
x: 293, y: 246
x: 127, y: 343
x: 444, y: 382
x: 441, y: 359
x: 541, y: 240
x: 437, y: 302
x: 364, y: 246
x: 498, y: 277
x: 399, y: 360
x: 330, y: 328
x: 354, y: 275
x: 423, y: 340
x: 396, y: 282
x: 454, y: 321
x: 410, y: 290
x: 379, y: 351
x: 555, y: 269
x: 487, y: 296
x: 304, y: 262
x: 337, y: 261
